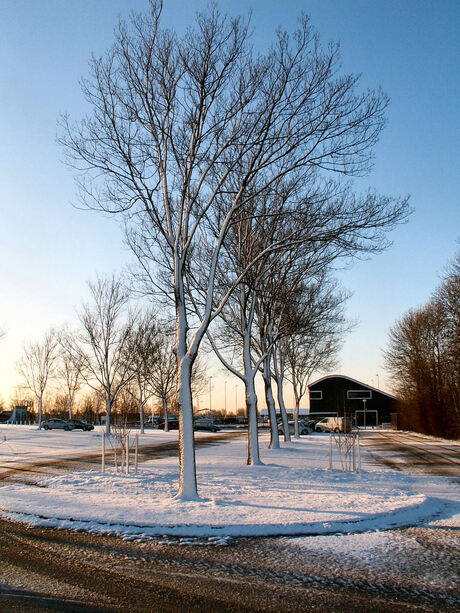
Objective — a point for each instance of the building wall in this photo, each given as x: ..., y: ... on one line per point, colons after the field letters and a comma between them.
x: 335, y: 400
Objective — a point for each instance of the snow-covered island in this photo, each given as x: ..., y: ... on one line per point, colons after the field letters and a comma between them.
x: 293, y: 493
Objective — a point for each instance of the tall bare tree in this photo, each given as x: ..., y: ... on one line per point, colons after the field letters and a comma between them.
x: 37, y: 366
x: 315, y: 343
x: 69, y: 370
x: 423, y: 357
x: 143, y: 353
x: 100, y: 347
x: 164, y: 376
x: 180, y: 124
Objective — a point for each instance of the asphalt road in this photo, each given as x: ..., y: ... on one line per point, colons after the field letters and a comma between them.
x: 58, y: 570
x: 413, y: 452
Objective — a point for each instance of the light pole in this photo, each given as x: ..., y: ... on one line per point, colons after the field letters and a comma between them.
x: 225, y: 396
x: 210, y: 388
x: 378, y: 381
x: 365, y: 411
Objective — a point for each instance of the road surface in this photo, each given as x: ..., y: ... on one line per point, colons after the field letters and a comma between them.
x: 413, y: 452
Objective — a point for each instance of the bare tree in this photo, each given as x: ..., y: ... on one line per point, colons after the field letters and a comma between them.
x: 143, y: 352
x: 69, y: 370
x: 164, y: 376
x: 37, y: 366
x: 100, y: 348
x: 180, y: 124
x: 423, y: 357
x: 315, y: 344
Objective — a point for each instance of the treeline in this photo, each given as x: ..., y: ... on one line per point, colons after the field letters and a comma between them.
x: 423, y: 357
x: 118, y: 361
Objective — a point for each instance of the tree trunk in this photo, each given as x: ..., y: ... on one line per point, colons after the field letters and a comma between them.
x: 274, y: 438
x: 70, y: 406
x: 165, y: 411
x: 40, y: 406
x: 187, y: 471
x: 251, y: 404
x: 279, y: 384
x: 141, y: 416
x: 296, y: 417
x: 108, y: 404
x: 251, y: 411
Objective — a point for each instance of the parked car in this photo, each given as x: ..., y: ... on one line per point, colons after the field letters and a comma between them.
x: 79, y: 424
x: 304, y: 427
x: 330, y: 424
x: 205, y: 424
x: 56, y: 424
x: 173, y: 424
x: 154, y: 421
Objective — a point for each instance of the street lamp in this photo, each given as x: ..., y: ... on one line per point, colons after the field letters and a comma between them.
x: 210, y: 388
x: 365, y: 411
x: 378, y: 381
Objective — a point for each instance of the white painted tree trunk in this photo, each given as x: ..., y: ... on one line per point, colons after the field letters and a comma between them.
x: 296, y: 419
x: 279, y: 384
x: 165, y: 411
x: 251, y: 410
x: 274, y: 437
x: 251, y: 403
x: 297, y: 406
x: 284, y: 417
x: 108, y: 405
x: 141, y: 415
x: 40, y: 407
x: 187, y: 471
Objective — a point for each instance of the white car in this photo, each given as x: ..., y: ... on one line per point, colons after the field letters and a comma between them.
x: 304, y: 428
x: 330, y: 424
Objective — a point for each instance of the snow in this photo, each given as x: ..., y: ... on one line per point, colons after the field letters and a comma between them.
x: 293, y: 493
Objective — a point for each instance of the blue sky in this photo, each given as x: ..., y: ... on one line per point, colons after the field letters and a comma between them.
x: 48, y: 248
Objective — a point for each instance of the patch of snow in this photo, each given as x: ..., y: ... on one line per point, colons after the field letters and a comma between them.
x: 293, y: 493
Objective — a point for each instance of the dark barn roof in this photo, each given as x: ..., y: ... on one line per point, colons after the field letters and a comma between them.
x: 360, y: 383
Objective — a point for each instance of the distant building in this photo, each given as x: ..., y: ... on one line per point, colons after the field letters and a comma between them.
x: 337, y: 395
x: 19, y: 415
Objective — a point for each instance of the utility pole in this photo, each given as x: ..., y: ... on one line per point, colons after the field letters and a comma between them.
x: 210, y: 388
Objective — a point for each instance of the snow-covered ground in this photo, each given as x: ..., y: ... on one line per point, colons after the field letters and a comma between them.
x: 293, y: 493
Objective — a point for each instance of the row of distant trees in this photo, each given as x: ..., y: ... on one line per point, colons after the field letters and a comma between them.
x: 125, y: 356
x: 423, y: 356
x: 114, y: 350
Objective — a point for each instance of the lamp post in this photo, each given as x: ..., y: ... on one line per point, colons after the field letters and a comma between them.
x: 365, y: 410
x: 210, y: 388
x: 225, y: 396
x: 378, y: 381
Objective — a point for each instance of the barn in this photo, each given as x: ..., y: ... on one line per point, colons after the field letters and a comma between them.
x: 338, y: 395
